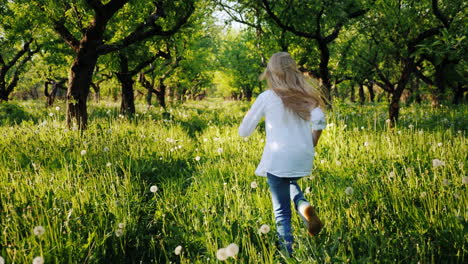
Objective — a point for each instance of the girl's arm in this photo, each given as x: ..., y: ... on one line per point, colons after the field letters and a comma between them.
x: 316, y: 136
x: 252, y: 117
x: 318, y: 122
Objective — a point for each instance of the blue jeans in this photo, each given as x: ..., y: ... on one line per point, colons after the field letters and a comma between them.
x: 283, y: 191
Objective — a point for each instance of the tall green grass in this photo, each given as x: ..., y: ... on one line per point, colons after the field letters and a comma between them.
x: 91, y: 192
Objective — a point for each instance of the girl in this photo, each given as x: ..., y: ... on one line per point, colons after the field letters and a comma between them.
x: 291, y: 106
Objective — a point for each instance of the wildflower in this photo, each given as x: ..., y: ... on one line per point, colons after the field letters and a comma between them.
x: 253, y: 185
x: 222, y: 254
x: 246, y: 139
x: 154, y: 188
x: 118, y: 232
x: 330, y: 125
x: 322, y: 161
x: 465, y: 180
x: 445, y: 182
x: 51, y: 114
x: 106, y: 149
x: 57, y: 108
x: 436, y: 163
x: 83, y: 152
x: 220, y: 150
x: 423, y: 194
x: 38, y: 231
x: 178, y: 250
x: 420, y: 132
x: 262, y: 140
x: 338, y: 163
x: 197, y: 158
x: 121, y: 225
x: 387, y: 121
x: 439, y: 144
x: 264, y: 229
x: 410, y: 126
x: 121, y: 116
x: 349, y: 191
x: 216, y: 139
x: 232, y: 250
x: 362, y: 128
x: 366, y: 144
x: 38, y: 260
x: 391, y: 175
x: 108, y: 164
x: 205, y: 140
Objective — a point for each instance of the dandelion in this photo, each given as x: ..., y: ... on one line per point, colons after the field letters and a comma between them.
x: 232, y: 250
x: 465, y: 180
x: 154, y: 188
x: 38, y: 260
x: 105, y: 149
x: 57, y: 108
x: 246, y: 139
x: 439, y: 144
x: 83, y: 152
x: 420, y: 132
x: 349, y: 191
x: 410, y: 126
x: 253, y: 185
x: 423, y: 194
x: 264, y: 229
x: 391, y: 175
x: 387, y: 121
x: 38, y: 231
x: 436, y: 163
x: 178, y: 250
x: 51, y: 114
x: 445, y: 182
x: 322, y: 161
x: 362, y: 128
x: 118, y: 232
x: 121, y: 225
x: 366, y: 144
x: 108, y: 164
x: 330, y: 125
x: 197, y: 158
x: 121, y: 116
x: 222, y: 254
x: 220, y: 150
x: 338, y: 163
x: 205, y: 140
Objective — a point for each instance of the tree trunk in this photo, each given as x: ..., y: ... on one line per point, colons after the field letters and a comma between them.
x: 127, y: 106
x: 3, y: 95
x: 161, y: 94
x: 458, y: 95
x: 394, y: 108
x: 324, y: 72
x: 370, y: 88
x: 361, y: 94
x: 351, y: 95
x: 248, y: 94
x: 439, y: 81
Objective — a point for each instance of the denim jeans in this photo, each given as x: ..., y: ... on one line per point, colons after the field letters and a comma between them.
x: 283, y: 191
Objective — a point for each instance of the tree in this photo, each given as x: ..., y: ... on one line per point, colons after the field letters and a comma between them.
x: 17, y: 48
x: 88, y: 36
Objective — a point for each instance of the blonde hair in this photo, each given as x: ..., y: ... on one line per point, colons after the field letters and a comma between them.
x: 284, y: 78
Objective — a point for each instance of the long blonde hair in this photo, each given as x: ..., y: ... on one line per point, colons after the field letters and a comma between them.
x: 284, y: 78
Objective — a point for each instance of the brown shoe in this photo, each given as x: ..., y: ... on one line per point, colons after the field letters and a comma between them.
x: 314, y: 225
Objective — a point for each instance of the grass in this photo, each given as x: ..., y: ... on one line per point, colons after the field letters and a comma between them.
x: 96, y: 205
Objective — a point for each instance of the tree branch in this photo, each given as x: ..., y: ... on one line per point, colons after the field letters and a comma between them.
x: 146, y: 30
x: 59, y: 27
x: 284, y: 26
x: 339, y: 25
x: 96, y: 5
x: 439, y: 15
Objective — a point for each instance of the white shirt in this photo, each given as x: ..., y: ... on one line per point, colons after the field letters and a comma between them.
x: 289, y: 150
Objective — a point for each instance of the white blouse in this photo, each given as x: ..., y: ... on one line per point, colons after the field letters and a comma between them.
x: 289, y: 150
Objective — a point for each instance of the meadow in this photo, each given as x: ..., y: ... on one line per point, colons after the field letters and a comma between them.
x: 134, y: 190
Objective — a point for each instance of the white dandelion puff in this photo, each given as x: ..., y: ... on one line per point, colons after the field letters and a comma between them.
x: 338, y: 163
x: 253, y: 185
x: 391, y: 175
x: 439, y: 144
x: 197, y: 158
x: 108, y: 164
x: 106, y: 149
x: 83, y: 152
x: 178, y: 250
x: 153, y: 188
x: 445, y: 182
x: 51, y: 114
x: 437, y: 163
x: 118, y: 232
x: 222, y: 254
x: 220, y: 150
x: 38, y: 231
x: 232, y: 249
x: 366, y: 144
x: 121, y: 225
x: 465, y: 180
x: 410, y: 126
x: 349, y: 191
x: 322, y: 161
x: 423, y: 194
x: 57, y: 108
x: 264, y: 229
x: 38, y: 260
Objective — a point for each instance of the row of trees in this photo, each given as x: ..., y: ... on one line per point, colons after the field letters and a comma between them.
x: 365, y: 43
x: 175, y: 47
